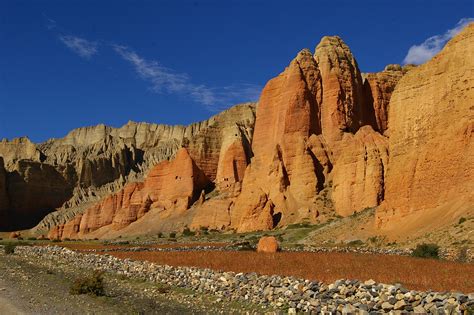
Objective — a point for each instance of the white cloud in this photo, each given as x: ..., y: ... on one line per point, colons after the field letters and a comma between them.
x: 421, y: 53
x: 164, y: 79
x: 83, y: 47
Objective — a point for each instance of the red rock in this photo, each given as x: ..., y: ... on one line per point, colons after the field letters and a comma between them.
x: 232, y: 164
x: 282, y: 166
x: 267, y: 244
x: 342, y: 97
x: 170, y: 185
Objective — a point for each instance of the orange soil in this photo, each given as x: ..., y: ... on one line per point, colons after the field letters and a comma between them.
x: 413, y: 273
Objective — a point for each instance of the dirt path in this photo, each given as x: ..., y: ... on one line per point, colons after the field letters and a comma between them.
x: 28, y: 286
x: 6, y: 305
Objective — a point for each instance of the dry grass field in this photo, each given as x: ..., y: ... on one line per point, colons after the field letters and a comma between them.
x: 413, y: 273
x: 85, y: 246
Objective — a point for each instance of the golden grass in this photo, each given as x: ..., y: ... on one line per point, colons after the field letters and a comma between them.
x: 413, y: 273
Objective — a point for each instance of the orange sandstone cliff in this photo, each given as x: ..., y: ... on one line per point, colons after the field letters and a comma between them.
x: 327, y: 141
x: 170, y: 186
x: 430, y: 176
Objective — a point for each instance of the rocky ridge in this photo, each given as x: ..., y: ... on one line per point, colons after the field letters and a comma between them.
x: 93, y: 162
x: 325, y: 141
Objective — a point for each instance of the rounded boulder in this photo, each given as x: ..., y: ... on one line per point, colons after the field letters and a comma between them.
x: 267, y: 244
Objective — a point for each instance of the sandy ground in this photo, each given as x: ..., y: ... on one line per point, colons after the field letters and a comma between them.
x: 7, y: 301
x: 30, y: 286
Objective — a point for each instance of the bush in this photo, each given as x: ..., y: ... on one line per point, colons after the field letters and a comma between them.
x: 56, y: 240
x: 172, y: 235
x: 9, y: 248
x: 160, y: 235
x: 426, y: 251
x: 93, y: 285
x: 31, y: 238
x: 462, y: 220
x: 188, y: 232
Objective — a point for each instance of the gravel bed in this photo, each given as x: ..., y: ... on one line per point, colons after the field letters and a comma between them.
x: 286, y: 293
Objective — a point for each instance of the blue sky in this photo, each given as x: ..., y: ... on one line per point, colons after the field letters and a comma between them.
x: 67, y: 64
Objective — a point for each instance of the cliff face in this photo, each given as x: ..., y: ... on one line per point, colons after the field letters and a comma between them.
x: 313, y: 131
x: 93, y: 162
x: 325, y: 140
x: 431, y: 128
x: 170, y: 187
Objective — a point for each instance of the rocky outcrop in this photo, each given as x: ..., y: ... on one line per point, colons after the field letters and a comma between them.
x: 100, y: 160
x: 19, y: 149
x: 312, y: 131
x: 171, y: 186
x: 343, y: 107
x: 431, y: 129
x: 281, y: 177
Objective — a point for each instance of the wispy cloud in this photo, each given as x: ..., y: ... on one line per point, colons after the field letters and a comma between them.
x: 163, y: 79
x: 421, y: 53
x: 50, y: 23
x: 83, y: 47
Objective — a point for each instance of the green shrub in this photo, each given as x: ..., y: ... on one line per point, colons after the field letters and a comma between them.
x: 9, y: 248
x: 160, y: 235
x: 188, y: 232
x: 56, y: 240
x: 462, y: 220
x: 31, y: 238
x: 93, y: 285
x: 172, y: 235
x: 426, y: 251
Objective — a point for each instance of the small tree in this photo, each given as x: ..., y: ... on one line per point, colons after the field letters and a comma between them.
x: 426, y: 251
